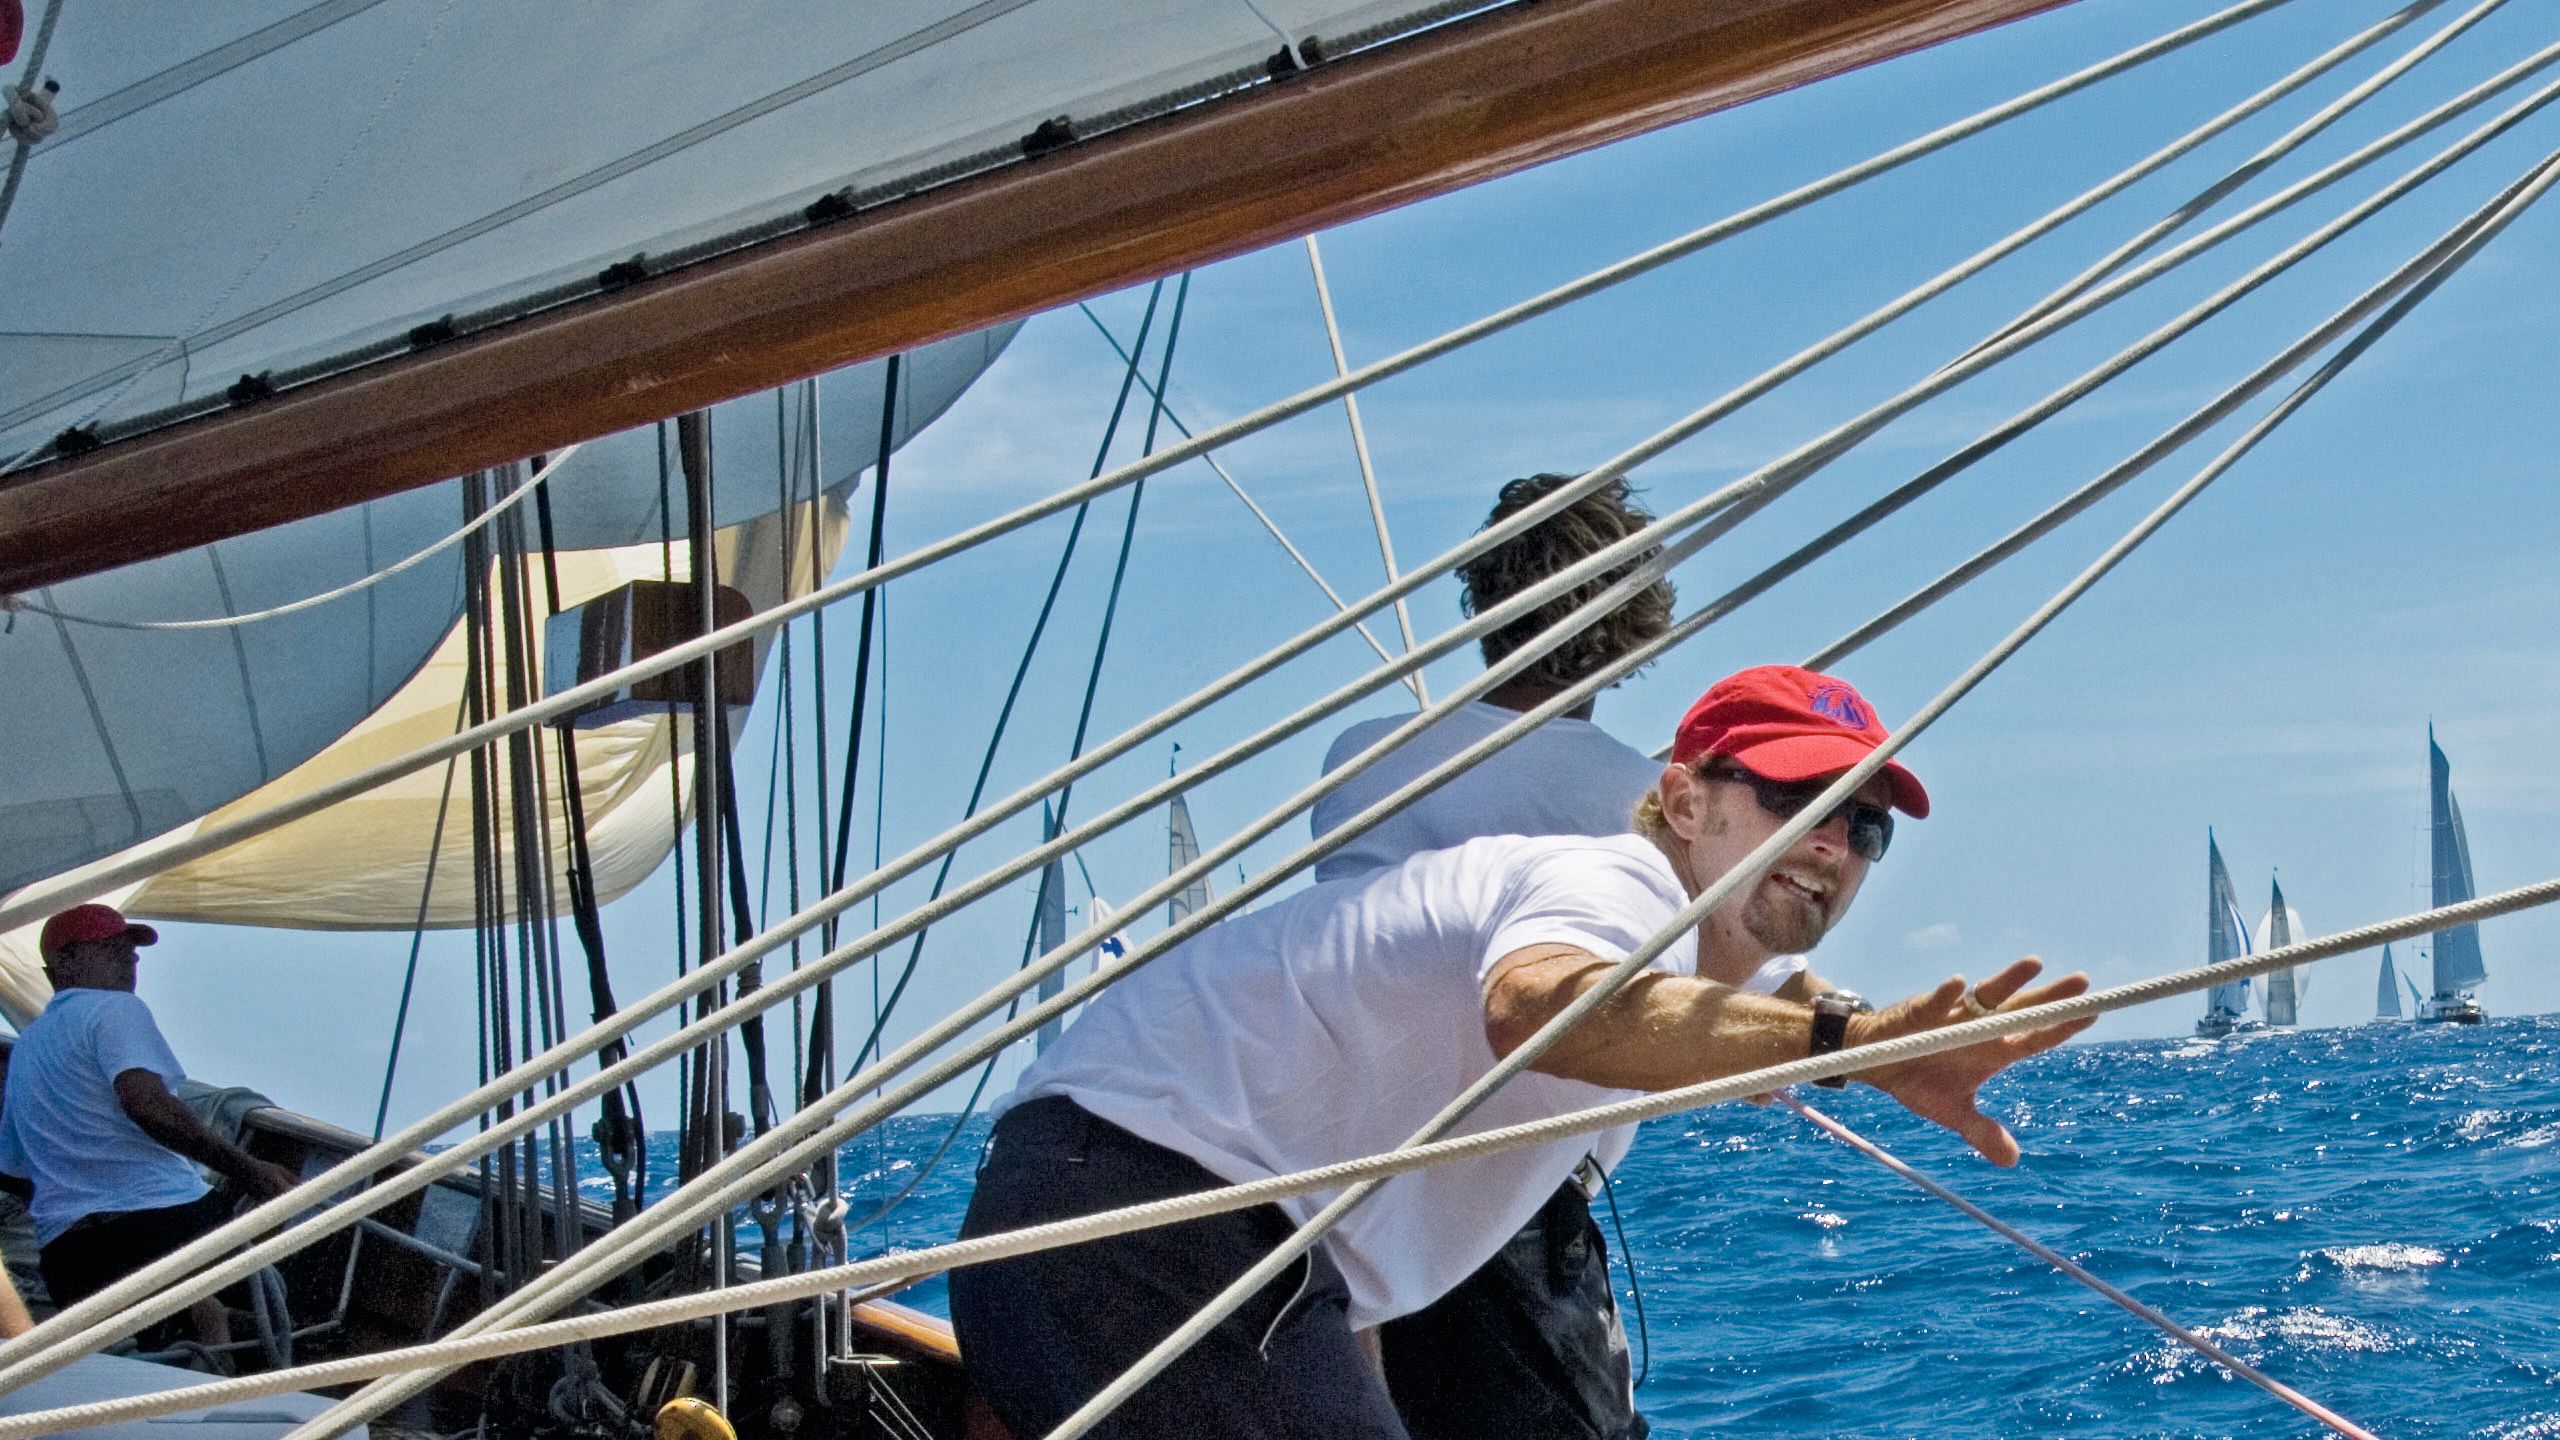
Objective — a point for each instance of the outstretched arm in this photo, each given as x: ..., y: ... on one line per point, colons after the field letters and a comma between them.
x: 1661, y: 1032
x: 166, y: 1118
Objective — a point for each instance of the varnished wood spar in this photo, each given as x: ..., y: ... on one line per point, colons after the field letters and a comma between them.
x: 1455, y: 106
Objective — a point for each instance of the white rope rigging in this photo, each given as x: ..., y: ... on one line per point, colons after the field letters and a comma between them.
x: 36, y: 902
x: 1272, y: 527
x: 2115, y: 477
x: 108, y: 1304
x: 2280, y: 147
x: 2443, y: 257
x: 2064, y: 1263
x: 364, y: 582
x: 1360, y: 452
x: 908, y: 1266
x: 1037, y: 858
x: 853, y: 1123
x: 2441, y: 260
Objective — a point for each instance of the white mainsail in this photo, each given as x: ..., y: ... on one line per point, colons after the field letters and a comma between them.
x: 245, y: 187
x: 2280, y: 926
x: 2459, y: 968
x: 2226, y: 938
x: 2386, y: 990
x: 1182, y: 846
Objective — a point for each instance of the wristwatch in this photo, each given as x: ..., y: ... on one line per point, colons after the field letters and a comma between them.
x: 1831, y: 1012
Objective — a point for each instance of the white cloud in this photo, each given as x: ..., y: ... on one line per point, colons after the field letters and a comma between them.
x: 1933, y: 937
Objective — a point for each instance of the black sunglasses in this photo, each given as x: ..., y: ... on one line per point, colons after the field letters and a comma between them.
x: 1870, y: 826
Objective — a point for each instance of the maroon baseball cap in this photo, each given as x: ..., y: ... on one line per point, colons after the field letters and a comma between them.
x: 1787, y: 723
x: 93, y: 922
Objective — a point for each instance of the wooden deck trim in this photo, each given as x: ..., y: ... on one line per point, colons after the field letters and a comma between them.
x: 1465, y: 103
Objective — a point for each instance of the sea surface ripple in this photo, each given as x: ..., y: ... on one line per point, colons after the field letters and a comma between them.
x: 2369, y: 1214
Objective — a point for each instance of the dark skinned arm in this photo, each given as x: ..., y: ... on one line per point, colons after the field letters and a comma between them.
x: 166, y: 1118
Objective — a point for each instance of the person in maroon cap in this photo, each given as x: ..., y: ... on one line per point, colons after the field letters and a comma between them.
x: 1335, y: 1023
x: 90, y: 1135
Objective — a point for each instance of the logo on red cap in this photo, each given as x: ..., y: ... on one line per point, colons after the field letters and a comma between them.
x: 1843, y: 704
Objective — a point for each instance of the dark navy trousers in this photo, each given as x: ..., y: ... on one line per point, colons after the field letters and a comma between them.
x: 1043, y: 1333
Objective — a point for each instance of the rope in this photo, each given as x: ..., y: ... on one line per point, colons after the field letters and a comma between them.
x: 1035, y: 858
x: 1021, y: 670
x: 36, y: 902
x: 1305, y: 566
x: 2116, y: 477
x: 913, y: 1265
x: 1276, y: 28
x: 31, y: 113
x: 2444, y: 258
x: 417, y: 942
x: 367, y: 582
x: 2067, y: 1266
x: 1360, y: 452
x: 2281, y: 146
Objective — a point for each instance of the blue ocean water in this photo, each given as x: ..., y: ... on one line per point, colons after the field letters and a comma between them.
x: 2370, y: 1214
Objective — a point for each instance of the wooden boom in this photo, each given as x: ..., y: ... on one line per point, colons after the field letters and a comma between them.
x: 1448, y: 108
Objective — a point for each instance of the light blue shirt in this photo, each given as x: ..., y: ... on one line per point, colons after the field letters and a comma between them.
x: 61, y: 1125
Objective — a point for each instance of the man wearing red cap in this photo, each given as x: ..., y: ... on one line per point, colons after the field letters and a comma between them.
x: 89, y: 1133
x: 1335, y: 1023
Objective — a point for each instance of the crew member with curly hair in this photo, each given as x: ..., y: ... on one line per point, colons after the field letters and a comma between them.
x: 1534, y: 1335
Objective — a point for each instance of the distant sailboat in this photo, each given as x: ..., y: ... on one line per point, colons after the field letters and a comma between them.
x: 2459, y: 969
x: 1182, y: 847
x: 2281, y: 927
x: 2386, y: 990
x: 2226, y: 938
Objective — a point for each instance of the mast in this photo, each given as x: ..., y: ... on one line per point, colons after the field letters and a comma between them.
x: 2458, y: 964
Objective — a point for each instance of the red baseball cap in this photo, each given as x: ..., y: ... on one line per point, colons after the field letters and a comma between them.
x: 1783, y: 722
x: 93, y: 922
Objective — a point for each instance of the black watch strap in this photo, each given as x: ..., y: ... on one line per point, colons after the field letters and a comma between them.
x: 1831, y: 1012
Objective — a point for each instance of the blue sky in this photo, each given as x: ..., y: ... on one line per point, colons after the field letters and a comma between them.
x: 2267, y: 667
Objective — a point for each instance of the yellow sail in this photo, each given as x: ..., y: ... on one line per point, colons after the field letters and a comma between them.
x: 365, y: 864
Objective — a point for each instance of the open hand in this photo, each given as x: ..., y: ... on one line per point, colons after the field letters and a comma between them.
x: 1943, y: 1087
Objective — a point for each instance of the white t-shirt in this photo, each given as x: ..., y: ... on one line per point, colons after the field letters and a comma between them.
x: 1567, y: 777
x: 1334, y: 1024
x: 61, y: 1125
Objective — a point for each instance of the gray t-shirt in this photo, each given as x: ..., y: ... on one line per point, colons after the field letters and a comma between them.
x: 1567, y: 777
x: 61, y: 1125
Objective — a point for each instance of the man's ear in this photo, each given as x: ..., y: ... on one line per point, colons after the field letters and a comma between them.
x: 1684, y: 800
